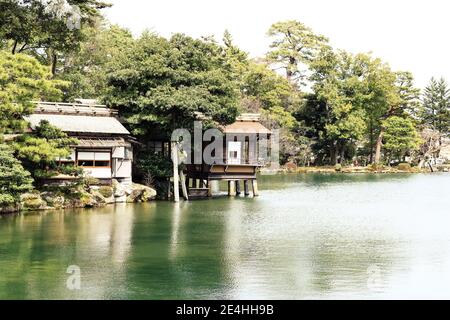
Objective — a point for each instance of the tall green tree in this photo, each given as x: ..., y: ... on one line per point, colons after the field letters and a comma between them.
x: 86, y: 69
x: 22, y: 79
x: 400, y: 137
x: 336, y: 109
x: 14, y: 179
x: 45, y: 29
x: 167, y: 82
x: 294, y: 46
x: 402, y: 100
x: 410, y: 103
x: 436, y: 107
x: 264, y: 91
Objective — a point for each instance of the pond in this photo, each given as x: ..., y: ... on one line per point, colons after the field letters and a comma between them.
x: 313, y: 236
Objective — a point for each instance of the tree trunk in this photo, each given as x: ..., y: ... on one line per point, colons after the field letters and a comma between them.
x: 341, y: 159
x: 54, y: 62
x: 22, y: 48
x: 334, y: 151
x: 378, y: 146
x: 371, y: 142
x: 176, y: 186
x: 291, y: 66
x: 333, y: 154
x: 14, y: 47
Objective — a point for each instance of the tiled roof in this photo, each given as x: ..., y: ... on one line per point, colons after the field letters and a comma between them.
x: 78, y: 123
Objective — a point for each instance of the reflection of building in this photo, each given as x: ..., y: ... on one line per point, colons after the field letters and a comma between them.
x: 104, y: 150
x: 240, y: 159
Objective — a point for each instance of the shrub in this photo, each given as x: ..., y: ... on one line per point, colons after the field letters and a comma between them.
x: 32, y: 201
x: 338, y: 167
x: 106, y: 191
x: 90, y: 181
x: 14, y: 179
x: 155, y: 164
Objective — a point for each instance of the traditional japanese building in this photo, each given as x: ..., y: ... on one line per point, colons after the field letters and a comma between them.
x: 240, y: 162
x: 104, y: 149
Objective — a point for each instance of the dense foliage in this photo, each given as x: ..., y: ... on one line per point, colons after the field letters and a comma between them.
x: 14, y: 179
x: 86, y: 69
x: 46, y: 29
x: 166, y: 82
x: 22, y: 80
x: 41, y: 151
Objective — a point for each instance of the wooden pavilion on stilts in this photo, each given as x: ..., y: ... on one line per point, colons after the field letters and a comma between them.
x: 241, y: 160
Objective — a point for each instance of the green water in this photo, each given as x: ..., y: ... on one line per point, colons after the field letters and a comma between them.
x: 306, y: 236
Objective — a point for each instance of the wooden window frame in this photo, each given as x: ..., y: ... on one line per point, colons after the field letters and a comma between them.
x: 109, y: 166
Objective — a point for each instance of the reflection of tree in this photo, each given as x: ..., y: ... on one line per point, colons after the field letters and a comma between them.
x: 28, y: 270
x: 38, y: 248
x: 179, y: 254
x: 284, y: 181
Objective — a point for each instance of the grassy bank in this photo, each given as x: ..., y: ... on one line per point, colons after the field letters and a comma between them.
x: 359, y: 169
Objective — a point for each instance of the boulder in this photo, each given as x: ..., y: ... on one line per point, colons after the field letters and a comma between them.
x: 141, y: 193
x: 81, y: 199
x: 119, y: 190
x: 54, y: 200
x: 9, y: 209
x: 32, y: 201
x: 99, y: 199
x: 106, y: 191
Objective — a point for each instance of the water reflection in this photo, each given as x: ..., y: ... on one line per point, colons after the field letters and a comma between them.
x: 306, y: 236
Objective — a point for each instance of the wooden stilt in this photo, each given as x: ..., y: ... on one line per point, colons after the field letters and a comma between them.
x: 246, y: 189
x: 176, y: 182
x: 255, y: 188
x: 231, y: 188
x: 209, y: 188
x: 194, y: 183
x: 238, y: 187
x: 169, y: 189
x: 214, y: 186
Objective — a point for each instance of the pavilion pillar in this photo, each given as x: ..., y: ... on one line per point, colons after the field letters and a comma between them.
x: 246, y: 189
x: 176, y: 186
x: 209, y: 186
x: 231, y: 188
x: 214, y: 186
x: 238, y: 187
x: 255, y: 188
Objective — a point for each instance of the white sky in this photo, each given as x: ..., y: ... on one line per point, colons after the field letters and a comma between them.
x: 410, y: 35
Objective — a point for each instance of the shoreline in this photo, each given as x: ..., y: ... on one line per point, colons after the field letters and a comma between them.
x: 299, y: 170
x: 370, y: 170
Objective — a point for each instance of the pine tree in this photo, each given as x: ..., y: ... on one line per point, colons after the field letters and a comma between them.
x: 14, y: 179
x: 436, y: 107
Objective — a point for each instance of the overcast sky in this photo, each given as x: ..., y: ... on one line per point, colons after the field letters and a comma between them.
x: 410, y: 35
